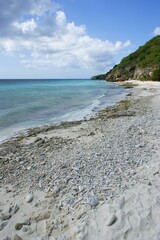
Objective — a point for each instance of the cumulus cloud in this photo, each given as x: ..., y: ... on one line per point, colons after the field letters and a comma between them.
x: 27, y: 26
x: 156, y: 31
x: 39, y: 31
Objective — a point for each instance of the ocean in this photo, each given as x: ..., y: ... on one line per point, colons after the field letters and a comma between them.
x: 32, y: 103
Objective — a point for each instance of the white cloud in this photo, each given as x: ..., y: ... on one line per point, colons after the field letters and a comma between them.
x: 156, y: 31
x: 27, y: 26
x: 46, y: 38
x: 61, y: 19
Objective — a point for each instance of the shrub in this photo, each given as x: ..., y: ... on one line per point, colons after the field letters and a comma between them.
x: 156, y: 75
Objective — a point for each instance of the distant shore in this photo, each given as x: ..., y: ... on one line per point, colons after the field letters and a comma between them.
x: 89, y: 180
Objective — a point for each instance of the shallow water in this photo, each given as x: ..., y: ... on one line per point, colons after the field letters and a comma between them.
x: 30, y: 103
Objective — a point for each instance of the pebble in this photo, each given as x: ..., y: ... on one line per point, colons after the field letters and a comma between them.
x: 16, y: 237
x: 29, y: 198
x: 18, y: 226
x: 24, y: 229
x: 1, y: 177
x: 112, y: 220
x: 5, y: 216
x: 27, y: 222
x: 3, y: 224
x: 93, y: 201
x: 14, y: 209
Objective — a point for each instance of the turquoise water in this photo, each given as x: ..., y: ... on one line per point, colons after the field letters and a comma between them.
x: 30, y: 103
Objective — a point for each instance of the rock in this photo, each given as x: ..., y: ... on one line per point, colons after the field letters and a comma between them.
x: 16, y: 208
x: 8, y: 190
x: 13, y: 209
x: 5, y: 216
x: 26, y: 222
x: 18, y: 226
x: 1, y: 177
x: 149, y: 183
x: 93, y: 201
x: 25, y: 229
x: 16, y: 237
x: 112, y: 220
x: 29, y: 168
x: 29, y: 198
x: 3, y: 224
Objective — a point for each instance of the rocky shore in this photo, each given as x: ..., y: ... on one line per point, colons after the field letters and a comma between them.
x: 84, y: 180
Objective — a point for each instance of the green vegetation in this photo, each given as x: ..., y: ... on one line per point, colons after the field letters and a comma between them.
x: 146, y: 56
x: 143, y: 64
x: 156, y: 75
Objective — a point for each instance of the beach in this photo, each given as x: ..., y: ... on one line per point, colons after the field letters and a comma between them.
x: 92, y: 179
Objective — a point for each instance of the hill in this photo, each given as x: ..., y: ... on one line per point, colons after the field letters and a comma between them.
x: 143, y: 64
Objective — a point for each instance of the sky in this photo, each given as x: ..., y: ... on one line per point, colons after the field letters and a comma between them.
x: 72, y: 38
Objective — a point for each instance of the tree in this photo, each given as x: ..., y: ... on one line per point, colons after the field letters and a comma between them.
x: 156, y: 75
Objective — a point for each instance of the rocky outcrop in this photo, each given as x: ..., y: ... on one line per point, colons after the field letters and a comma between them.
x: 143, y: 64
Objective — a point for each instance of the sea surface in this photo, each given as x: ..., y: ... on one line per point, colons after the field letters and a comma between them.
x: 32, y: 103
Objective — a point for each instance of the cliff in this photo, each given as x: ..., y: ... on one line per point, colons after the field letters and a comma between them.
x: 143, y: 64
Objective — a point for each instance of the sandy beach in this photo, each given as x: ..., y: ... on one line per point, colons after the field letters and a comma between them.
x: 96, y: 179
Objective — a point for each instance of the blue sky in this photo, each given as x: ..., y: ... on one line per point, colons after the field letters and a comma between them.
x: 72, y: 38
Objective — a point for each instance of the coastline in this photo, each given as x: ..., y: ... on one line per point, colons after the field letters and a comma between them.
x: 74, y: 116
x: 97, y: 102
x: 77, y: 170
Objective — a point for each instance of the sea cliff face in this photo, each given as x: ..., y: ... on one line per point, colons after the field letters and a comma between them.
x: 143, y: 64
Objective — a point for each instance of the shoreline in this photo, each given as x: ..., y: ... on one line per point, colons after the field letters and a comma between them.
x: 77, y: 171
x: 24, y: 130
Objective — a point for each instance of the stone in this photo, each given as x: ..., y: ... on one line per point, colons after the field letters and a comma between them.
x: 14, y: 209
x: 112, y: 220
x: 1, y: 177
x: 25, y: 229
x: 5, y: 216
x: 16, y: 237
x: 29, y: 198
x: 149, y: 183
x: 93, y: 201
x: 7, y: 238
x: 27, y: 222
x: 18, y: 226
x: 3, y: 224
